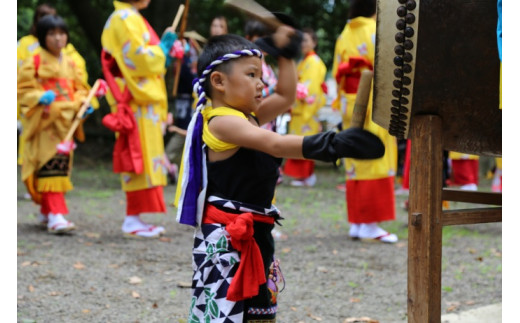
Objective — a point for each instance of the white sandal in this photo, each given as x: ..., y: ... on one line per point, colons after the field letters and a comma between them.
x: 57, y: 224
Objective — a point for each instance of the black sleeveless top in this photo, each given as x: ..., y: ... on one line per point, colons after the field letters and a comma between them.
x: 248, y: 176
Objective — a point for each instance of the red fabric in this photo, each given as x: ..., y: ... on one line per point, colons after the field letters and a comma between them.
x: 127, y: 155
x: 298, y: 168
x: 250, y: 274
x: 349, y: 73
x: 53, y: 202
x: 370, y: 200
x: 464, y: 171
x: 150, y: 200
x: 406, y: 166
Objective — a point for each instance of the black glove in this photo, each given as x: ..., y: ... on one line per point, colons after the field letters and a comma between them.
x: 351, y: 143
x: 290, y: 51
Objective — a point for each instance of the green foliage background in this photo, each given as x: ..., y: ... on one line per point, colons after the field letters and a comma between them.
x: 326, y: 17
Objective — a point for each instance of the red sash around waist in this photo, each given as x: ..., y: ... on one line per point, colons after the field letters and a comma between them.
x: 250, y: 274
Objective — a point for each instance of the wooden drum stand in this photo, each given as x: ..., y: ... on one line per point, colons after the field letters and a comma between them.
x: 436, y: 82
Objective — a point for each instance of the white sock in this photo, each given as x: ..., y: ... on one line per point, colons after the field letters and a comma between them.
x: 354, y: 230
x: 311, y: 180
x: 370, y: 230
x: 57, y: 222
x: 134, y: 223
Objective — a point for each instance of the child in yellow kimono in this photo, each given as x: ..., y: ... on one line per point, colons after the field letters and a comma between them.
x: 28, y: 46
x: 141, y: 63
x: 310, y: 97
x: 369, y: 184
x: 50, y: 92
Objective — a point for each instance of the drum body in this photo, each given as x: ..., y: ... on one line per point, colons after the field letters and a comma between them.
x: 440, y: 57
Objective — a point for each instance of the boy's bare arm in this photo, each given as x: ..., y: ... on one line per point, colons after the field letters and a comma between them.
x: 285, y: 94
x: 238, y: 131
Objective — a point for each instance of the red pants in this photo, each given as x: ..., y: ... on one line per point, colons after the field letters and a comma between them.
x: 464, y: 171
x: 298, y: 168
x: 150, y: 200
x: 53, y: 202
x: 370, y: 200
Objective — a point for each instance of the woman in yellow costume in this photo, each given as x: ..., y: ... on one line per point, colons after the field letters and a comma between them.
x: 28, y: 46
x: 304, y: 114
x: 369, y: 184
x: 50, y: 92
x: 136, y: 81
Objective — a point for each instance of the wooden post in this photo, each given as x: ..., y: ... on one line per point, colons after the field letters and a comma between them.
x: 425, y: 220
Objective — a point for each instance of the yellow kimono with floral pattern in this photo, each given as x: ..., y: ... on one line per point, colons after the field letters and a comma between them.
x: 44, y: 132
x: 126, y: 37
x: 27, y: 47
x: 358, y: 39
x: 311, y: 73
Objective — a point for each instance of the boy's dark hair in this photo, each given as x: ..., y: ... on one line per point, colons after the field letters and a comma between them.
x: 216, y: 47
x: 361, y: 8
x: 255, y: 28
x: 47, y: 23
x: 41, y: 11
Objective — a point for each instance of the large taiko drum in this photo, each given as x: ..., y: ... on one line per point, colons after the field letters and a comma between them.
x: 440, y: 57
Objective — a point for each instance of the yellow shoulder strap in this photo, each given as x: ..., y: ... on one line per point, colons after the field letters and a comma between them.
x: 211, y: 141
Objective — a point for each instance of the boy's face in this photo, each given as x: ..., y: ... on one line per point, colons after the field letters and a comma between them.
x: 55, y: 41
x: 243, y: 84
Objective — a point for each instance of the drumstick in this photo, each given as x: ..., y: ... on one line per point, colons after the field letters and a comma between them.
x: 363, y: 94
x: 82, y: 110
x: 256, y: 10
x: 177, y: 17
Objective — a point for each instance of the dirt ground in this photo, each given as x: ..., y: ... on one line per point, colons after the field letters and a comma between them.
x: 97, y: 275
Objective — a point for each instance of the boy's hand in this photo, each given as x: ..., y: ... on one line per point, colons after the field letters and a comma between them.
x: 282, y: 36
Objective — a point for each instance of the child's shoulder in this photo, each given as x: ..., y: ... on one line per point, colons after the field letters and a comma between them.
x: 224, y: 111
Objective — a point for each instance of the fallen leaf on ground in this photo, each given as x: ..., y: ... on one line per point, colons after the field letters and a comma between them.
x: 363, y: 319
x: 184, y: 284
x: 155, y: 305
x: 20, y: 252
x: 323, y: 269
x: 451, y: 308
x: 286, y: 250
x: 25, y: 263
x: 31, y: 288
x: 294, y: 309
x: 479, y: 259
x: 135, y: 280
x: 470, y: 302
x: 135, y: 294
x: 54, y: 293
x: 78, y: 265
x: 114, y: 266
x: 94, y: 235
x: 354, y: 300
x: 334, y: 252
x: 314, y: 317
x: 472, y: 251
x: 88, y: 244
x: 85, y: 311
x: 165, y: 239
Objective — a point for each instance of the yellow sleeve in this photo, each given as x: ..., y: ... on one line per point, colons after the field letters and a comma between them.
x: 29, y: 90
x: 126, y: 38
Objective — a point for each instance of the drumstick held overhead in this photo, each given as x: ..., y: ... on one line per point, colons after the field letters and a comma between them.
x: 254, y: 9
